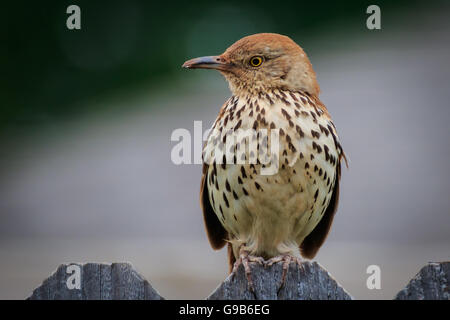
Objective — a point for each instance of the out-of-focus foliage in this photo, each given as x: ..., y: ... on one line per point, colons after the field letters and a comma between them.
x: 48, y: 70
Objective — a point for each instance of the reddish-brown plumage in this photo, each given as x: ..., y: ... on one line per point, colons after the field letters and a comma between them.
x: 291, y: 211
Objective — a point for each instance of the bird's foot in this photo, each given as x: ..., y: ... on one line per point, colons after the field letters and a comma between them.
x: 286, y: 259
x: 245, y: 259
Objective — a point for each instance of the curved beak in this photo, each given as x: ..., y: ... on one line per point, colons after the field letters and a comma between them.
x: 209, y: 62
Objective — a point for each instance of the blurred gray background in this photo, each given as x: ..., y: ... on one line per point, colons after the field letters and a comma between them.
x: 100, y: 186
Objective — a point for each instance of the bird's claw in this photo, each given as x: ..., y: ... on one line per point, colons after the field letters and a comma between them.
x: 245, y: 259
x: 286, y: 259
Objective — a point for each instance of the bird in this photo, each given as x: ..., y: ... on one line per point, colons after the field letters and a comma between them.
x: 285, y: 214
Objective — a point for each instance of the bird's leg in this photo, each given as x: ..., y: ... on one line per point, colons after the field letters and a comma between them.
x: 286, y: 259
x: 245, y: 259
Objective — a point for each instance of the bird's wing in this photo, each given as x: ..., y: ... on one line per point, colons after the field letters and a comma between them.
x: 217, y: 235
x: 312, y: 243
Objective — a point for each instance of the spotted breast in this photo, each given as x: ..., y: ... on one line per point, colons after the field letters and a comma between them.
x: 273, y: 214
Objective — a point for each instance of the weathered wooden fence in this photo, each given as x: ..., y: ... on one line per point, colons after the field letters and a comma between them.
x: 308, y: 282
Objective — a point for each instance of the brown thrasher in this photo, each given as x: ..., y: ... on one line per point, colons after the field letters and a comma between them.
x: 283, y: 214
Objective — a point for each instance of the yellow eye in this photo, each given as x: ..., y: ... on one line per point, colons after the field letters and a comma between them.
x: 256, y: 61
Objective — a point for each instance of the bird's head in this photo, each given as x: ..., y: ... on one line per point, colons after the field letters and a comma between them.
x: 262, y: 62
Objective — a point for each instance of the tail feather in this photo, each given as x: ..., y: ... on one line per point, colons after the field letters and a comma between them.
x: 231, y: 257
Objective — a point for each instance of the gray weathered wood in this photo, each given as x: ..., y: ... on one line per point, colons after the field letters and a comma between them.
x: 431, y: 283
x: 117, y: 281
x: 307, y: 282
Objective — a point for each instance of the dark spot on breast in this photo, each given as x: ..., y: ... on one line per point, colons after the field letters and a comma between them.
x: 285, y: 114
x: 235, y: 196
x: 224, y: 161
x: 257, y: 186
x: 306, y: 165
x: 317, y: 111
x: 291, y: 146
x: 324, y: 130
x: 226, y: 200
x: 327, y: 155
x: 293, y: 96
x: 244, y: 175
x: 240, y: 180
x: 227, y: 185
x: 315, y: 134
x: 304, y: 100
x: 245, y: 191
x: 285, y: 102
x: 268, y: 98
x: 317, y: 147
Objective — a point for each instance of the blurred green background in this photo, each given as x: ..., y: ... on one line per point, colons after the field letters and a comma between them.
x: 48, y: 71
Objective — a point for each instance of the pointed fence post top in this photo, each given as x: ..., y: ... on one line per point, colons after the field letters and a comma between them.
x: 431, y: 283
x: 95, y: 281
x: 308, y: 281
